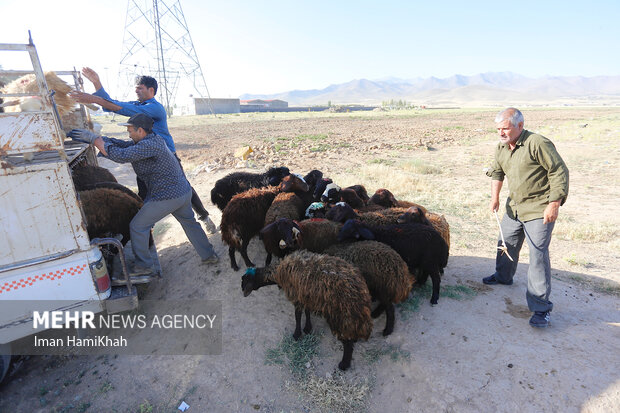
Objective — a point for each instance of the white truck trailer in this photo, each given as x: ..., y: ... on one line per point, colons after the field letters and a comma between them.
x: 45, y: 252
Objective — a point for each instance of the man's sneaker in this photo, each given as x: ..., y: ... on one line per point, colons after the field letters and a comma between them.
x: 209, y: 225
x: 540, y: 319
x: 491, y: 280
x: 211, y: 260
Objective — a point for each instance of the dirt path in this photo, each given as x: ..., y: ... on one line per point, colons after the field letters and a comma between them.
x: 472, y: 352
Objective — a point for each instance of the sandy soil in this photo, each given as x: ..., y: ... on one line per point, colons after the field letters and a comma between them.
x: 472, y: 352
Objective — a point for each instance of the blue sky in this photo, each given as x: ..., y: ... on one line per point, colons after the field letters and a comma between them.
x: 275, y: 46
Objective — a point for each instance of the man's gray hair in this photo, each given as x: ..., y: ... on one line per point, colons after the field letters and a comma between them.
x: 513, y: 115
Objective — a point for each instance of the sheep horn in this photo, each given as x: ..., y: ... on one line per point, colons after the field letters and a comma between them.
x: 296, y: 232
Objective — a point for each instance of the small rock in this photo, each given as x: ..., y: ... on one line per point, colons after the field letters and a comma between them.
x: 509, y: 365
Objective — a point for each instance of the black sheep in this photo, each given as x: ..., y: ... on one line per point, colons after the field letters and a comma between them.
x: 280, y: 238
x: 320, y: 188
x: 237, y: 182
x: 418, y: 244
x: 312, y: 178
x: 85, y: 175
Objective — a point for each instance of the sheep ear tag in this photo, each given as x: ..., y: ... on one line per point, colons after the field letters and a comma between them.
x: 250, y: 271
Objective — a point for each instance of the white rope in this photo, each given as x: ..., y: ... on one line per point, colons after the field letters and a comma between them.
x: 503, y: 248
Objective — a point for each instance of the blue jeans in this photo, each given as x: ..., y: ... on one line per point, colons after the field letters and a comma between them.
x: 153, y: 211
x: 538, y: 237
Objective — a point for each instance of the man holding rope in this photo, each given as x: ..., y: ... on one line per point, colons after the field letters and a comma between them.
x: 538, y: 185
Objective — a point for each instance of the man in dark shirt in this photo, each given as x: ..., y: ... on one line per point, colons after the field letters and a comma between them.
x: 167, y: 188
x: 538, y: 185
x: 146, y: 88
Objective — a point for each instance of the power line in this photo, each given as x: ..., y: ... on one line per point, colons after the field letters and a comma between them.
x: 157, y: 42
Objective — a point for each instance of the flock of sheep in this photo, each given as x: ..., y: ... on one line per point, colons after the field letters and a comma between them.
x: 339, y: 248
x: 349, y: 249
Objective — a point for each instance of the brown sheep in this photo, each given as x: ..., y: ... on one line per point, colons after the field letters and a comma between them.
x: 285, y: 205
x: 297, y: 184
x: 317, y: 234
x: 325, y: 285
x: 290, y: 203
x: 385, y: 272
x: 108, y: 212
x: 341, y: 212
x: 242, y: 219
x: 385, y: 198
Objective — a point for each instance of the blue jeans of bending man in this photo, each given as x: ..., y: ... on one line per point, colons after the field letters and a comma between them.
x: 538, y: 237
x: 153, y: 211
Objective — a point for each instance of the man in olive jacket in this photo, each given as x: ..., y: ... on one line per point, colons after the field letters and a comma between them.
x: 538, y: 185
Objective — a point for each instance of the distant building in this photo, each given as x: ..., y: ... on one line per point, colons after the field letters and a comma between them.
x: 260, y: 104
x: 203, y: 106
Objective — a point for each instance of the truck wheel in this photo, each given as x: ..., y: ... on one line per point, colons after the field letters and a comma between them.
x: 5, y: 360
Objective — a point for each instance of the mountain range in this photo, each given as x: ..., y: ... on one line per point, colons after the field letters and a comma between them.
x: 492, y: 88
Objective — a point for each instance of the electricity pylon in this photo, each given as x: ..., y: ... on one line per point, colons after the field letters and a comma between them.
x: 157, y: 43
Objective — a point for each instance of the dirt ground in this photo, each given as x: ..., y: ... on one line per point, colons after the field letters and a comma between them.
x: 472, y: 352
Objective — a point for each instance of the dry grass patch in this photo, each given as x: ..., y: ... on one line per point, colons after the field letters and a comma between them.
x: 586, y: 232
x: 378, y: 175
x: 335, y: 393
x: 573, y: 259
x: 296, y: 355
x: 418, y: 166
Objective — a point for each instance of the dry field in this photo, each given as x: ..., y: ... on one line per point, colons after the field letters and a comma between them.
x: 472, y: 352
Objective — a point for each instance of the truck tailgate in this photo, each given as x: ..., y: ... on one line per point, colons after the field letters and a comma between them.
x: 39, y: 213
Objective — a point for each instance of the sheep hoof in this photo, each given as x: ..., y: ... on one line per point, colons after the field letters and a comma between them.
x: 433, y: 303
x: 307, y: 330
x: 296, y: 335
x: 387, y: 332
x: 235, y: 267
x: 343, y: 365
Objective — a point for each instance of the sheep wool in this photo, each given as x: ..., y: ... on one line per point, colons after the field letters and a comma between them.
x: 318, y: 234
x: 385, y: 272
x: 330, y: 287
x: 285, y: 205
x: 242, y: 219
x: 238, y: 182
x: 86, y: 175
x: 108, y: 212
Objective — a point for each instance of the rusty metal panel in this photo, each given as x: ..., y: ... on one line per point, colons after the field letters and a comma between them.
x: 40, y: 215
x: 24, y: 132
